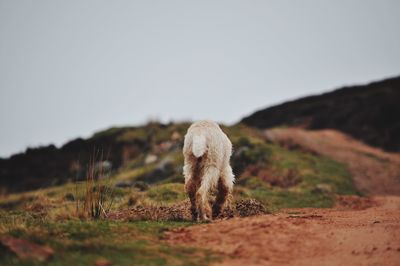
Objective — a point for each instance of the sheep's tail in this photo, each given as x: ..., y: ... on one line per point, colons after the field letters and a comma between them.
x: 199, y: 145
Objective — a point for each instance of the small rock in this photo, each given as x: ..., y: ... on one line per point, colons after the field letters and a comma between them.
x: 163, y: 170
x: 176, y: 136
x: 151, y: 158
x: 103, y: 168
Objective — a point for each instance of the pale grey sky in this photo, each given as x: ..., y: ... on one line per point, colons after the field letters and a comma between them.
x: 70, y: 68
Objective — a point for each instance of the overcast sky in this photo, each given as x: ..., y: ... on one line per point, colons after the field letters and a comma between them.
x: 70, y: 68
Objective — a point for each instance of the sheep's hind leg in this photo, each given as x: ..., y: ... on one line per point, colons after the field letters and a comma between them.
x: 225, y: 188
x: 191, y: 188
x: 208, y: 181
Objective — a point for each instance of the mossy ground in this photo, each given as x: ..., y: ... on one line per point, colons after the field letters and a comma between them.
x: 78, y: 242
x: 49, y: 216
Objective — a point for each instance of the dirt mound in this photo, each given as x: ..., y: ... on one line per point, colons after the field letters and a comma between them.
x: 250, y: 207
x: 374, y: 171
x: 181, y: 211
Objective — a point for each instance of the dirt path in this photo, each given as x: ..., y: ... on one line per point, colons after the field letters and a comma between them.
x: 374, y: 171
x: 304, y: 237
x: 359, y: 231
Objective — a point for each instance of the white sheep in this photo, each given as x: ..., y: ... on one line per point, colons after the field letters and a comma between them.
x: 207, y: 151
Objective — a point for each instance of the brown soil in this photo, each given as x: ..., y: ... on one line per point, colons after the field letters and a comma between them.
x: 357, y: 231
x: 304, y: 237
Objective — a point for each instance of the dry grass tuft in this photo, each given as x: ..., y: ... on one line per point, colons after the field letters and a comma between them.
x: 98, y: 195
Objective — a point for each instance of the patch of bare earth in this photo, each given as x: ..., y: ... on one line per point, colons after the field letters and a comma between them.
x: 357, y: 231
x: 342, y: 236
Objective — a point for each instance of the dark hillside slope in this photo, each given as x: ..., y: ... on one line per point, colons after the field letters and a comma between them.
x: 370, y: 113
x: 46, y: 166
x: 49, y: 165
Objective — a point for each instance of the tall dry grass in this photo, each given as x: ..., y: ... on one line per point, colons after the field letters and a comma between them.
x: 98, y: 195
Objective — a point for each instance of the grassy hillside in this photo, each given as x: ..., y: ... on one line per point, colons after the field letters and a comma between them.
x: 143, y: 198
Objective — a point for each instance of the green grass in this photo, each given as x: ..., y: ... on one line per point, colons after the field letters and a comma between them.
x: 275, y: 199
x: 315, y: 170
x: 79, y: 242
x: 167, y: 193
x: 83, y: 242
x: 320, y: 178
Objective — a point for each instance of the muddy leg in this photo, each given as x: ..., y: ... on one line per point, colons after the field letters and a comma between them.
x: 208, y: 180
x: 225, y: 188
x: 221, y: 198
x: 191, y: 189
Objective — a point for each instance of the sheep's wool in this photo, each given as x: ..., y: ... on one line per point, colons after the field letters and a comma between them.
x: 207, y: 152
